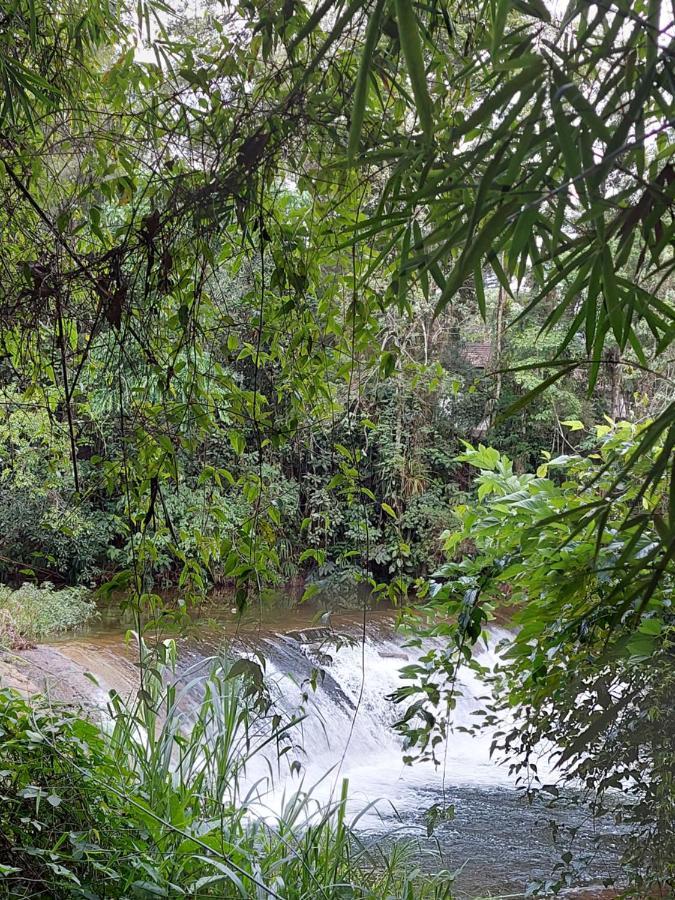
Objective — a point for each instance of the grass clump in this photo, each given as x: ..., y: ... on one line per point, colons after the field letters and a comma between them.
x: 32, y: 612
x: 160, y: 801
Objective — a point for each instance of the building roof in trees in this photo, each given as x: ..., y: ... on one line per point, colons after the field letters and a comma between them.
x: 478, y: 354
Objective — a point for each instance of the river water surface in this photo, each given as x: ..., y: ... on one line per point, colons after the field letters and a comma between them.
x: 497, y: 841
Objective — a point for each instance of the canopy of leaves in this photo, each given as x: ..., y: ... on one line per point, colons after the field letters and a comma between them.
x: 242, y: 243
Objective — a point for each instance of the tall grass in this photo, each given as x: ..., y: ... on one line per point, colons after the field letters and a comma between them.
x: 30, y: 612
x: 160, y: 801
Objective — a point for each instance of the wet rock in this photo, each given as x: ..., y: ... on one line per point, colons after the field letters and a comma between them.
x: 393, y: 654
x: 311, y: 635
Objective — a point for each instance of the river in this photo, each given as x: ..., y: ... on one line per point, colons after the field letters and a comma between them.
x: 498, y: 841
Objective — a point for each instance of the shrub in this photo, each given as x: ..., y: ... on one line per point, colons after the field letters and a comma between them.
x: 587, y: 678
x: 40, y: 531
x: 31, y: 612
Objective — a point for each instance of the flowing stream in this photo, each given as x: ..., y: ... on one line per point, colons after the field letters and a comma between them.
x: 500, y: 842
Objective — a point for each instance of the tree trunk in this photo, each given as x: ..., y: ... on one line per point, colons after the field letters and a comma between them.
x: 617, y: 404
x: 497, y: 356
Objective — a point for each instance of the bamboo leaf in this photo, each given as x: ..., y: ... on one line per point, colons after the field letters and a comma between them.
x: 499, y: 23
x: 411, y: 46
x: 480, y: 291
x: 362, y: 80
x: 612, y: 298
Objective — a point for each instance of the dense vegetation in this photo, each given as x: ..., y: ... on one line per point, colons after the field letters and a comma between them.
x: 270, y: 274
x: 594, y: 686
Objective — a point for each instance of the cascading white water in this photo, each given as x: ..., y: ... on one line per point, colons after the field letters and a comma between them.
x: 348, y: 729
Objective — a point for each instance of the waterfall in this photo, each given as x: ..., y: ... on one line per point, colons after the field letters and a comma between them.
x: 349, y: 725
x: 342, y: 680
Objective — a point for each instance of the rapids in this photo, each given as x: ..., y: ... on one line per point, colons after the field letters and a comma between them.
x: 497, y: 839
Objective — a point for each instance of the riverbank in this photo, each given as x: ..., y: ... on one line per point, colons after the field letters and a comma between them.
x: 31, y: 613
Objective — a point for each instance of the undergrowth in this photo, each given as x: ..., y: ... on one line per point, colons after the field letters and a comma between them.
x: 30, y: 613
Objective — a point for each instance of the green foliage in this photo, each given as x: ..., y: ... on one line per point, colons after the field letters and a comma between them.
x: 30, y: 612
x: 146, y: 808
x: 587, y: 672
x: 46, y: 49
x: 233, y: 296
x: 42, y: 530
x: 42, y: 536
x: 229, y: 310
